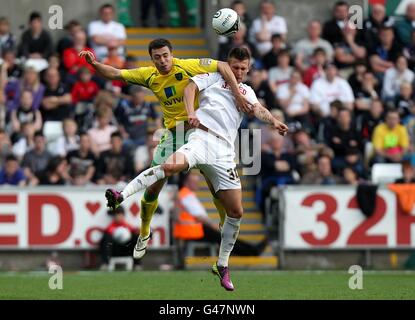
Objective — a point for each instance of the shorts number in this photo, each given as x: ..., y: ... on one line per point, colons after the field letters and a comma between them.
x: 233, y: 174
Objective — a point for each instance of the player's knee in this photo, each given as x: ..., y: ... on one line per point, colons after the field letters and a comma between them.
x: 169, y: 169
x: 235, y: 212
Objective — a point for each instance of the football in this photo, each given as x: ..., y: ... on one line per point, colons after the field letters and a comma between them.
x: 225, y: 22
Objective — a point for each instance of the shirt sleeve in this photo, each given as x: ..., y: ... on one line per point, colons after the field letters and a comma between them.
x: 198, y: 66
x: 251, y: 96
x: 135, y: 76
x: 193, y: 206
x: 205, y: 80
x: 404, y: 138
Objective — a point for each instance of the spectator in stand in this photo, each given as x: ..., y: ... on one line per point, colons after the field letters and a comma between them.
x: 85, y: 89
x: 106, y: 32
x: 343, y: 138
x: 82, y: 162
x: 368, y: 91
x: 270, y: 59
x: 350, y: 49
x: 55, y: 173
x: 408, y: 173
x: 25, y: 113
x: 262, y: 89
x: 406, y: 26
x: 57, y: 100
x: 37, y: 159
x: 67, y: 41
x: 26, y: 141
x: 31, y: 82
x: 135, y: 118
x: 71, y: 59
x: 305, y: 48
x: 306, y: 150
x: 143, y: 155
x: 14, y: 70
x: 113, y: 246
x: 404, y: 101
x: 367, y: 121
x: 395, y: 76
x: 324, y: 174
x: 328, y: 89
x: 11, y: 173
x: 158, y: 11
x: 293, y: 97
x: 385, y: 52
x: 5, y: 146
x: 70, y: 139
x: 237, y: 40
x: 265, y: 26
x: 316, y: 69
x: 333, y: 29
x: 114, y: 165
x: 240, y: 8
x: 36, y: 42
x: 114, y: 59
x: 350, y: 177
x: 409, y: 52
x: 282, y: 72
x: 326, y: 124
x: 7, y: 40
x: 371, y: 26
x: 390, y: 139
x: 101, y: 134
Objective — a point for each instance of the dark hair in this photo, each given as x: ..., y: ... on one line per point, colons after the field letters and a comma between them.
x: 83, y: 133
x: 341, y: 3
x: 336, y: 104
x: 235, y: 2
x: 35, y: 15
x: 319, y: 50
x: 276, y: 36
x: 106, y: 6
x: 158, y: 44
x: 116, y: 134
x: 71, y: 24
x: 386, y: 27
x: 117, y: 210
x: 54, y: 163
x: 239, y: 53
x: 39, y: 133
x: 11, y: 157
x: 283, y: 52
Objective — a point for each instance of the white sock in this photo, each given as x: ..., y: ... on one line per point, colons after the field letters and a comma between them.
x: 230, y: 232
x: 143, y: 180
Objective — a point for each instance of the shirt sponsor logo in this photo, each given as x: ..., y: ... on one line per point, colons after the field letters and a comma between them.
x: 179, y: 76
x: 170, y: 91
x: 173, y: 101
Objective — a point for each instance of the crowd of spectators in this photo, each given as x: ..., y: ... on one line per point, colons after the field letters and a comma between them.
x: 347, y: 94
x: 62, y: 124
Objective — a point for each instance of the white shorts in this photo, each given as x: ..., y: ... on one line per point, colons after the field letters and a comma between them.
x: 214, y: 157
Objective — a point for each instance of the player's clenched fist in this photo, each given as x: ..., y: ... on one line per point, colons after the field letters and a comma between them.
x: 281, y: 127
x: 88, y: 55
x: 193, y: 121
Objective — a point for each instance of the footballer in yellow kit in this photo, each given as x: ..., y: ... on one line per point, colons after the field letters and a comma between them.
x: 167, y: 79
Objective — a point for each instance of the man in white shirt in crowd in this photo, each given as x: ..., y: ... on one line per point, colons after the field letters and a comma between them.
x: 304, y: 48
x: 211, y: 149
x: 329, y: 88
x: 106, y: 32
x: 264, y: 27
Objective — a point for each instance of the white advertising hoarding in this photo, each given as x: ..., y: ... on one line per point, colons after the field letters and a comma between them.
x: 70, y: 218
x: 329, y: 217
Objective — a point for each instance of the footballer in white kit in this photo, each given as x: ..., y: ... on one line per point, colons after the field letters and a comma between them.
x: 213, y: 152
x: 210, y: 148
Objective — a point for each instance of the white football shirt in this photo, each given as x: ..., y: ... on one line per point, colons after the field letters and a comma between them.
x: 217, y: 109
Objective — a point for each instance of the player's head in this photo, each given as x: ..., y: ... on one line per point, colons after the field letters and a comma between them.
x: 239, y: 60
x: 161, y: 53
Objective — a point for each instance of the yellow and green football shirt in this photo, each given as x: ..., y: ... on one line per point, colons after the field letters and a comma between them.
x: 169, y: 88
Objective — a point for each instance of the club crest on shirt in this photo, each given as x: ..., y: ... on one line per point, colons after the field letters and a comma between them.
x: 179, y: 76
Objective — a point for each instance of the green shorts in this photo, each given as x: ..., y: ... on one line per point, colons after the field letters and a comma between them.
x: 171, y: 140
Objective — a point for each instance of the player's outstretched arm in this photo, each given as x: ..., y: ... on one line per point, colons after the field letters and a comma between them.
x: 104, y: 70
x: 263, y: 114
x: 227, y: 74
x: 190, y: 92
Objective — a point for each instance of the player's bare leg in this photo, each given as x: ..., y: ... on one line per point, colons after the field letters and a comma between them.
x: 232, y: 202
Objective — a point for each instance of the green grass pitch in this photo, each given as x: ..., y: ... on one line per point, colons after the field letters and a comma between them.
x: 257, y: 285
